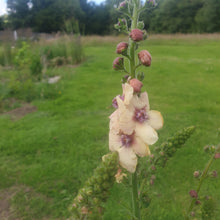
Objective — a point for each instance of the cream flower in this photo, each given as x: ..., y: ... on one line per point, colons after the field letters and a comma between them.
x: 132, y: 127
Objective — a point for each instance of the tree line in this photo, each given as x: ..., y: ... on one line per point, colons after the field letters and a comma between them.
x: 80, y: 16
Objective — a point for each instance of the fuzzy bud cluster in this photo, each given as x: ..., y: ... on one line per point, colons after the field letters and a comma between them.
x: 172, y: 144
x: 88, y: 203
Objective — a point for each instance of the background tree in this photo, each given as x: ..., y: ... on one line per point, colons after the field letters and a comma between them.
x: 19, y: 13
x: 208, y: 17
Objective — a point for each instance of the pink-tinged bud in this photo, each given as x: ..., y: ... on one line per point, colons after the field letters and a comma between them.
x: 214, y: 173
x: 196, y: 174
x: 136, y: 84
x: 144, y: 57
x: 137, y: 35
x: 198, y: 202
x: 152, y: 182
x: 118, y: 63
x: 122, y: 5
x: 121, y: 47
x: 217, y: 156
x: 193, y: 194
x: 192, y: 214
x: 153, y: 168
x: 162, y: 153
x: 153, y: 177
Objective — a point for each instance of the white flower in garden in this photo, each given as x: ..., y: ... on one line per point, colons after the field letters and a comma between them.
x: 132, y: 127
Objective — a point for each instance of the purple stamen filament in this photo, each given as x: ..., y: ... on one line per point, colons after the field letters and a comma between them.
x: 140, y: 115
x: 127, y: 139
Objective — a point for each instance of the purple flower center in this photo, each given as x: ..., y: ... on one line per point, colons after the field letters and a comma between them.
x: 140, y: 115
x: 127, y: 139
x: 114, y: 101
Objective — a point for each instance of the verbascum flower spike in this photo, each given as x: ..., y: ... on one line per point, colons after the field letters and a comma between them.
x: 132, y: 127
x: 88, y: 203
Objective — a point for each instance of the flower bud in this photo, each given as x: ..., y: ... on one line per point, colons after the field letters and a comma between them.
x: 137, y: 35
x: 198, y: 202
x: 136, y: 84
x: 122, y: 5
x: 214, y: 173
x: 118, y: 63
x: 121, y: 48
x: 192, y: 214
x: 196, y: 174
x: 217, y: 156
x: 152, y: 182
x: 144, y: 57
x: 140, y: 25
x: 125, y: 78
x: 193, y: 194
x: 153, y: 168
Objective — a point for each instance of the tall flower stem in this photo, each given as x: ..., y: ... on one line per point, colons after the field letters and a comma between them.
x: 135, y: 199
x: 132, y: 44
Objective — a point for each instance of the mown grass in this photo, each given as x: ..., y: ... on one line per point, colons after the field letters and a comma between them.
x: 54, y: 150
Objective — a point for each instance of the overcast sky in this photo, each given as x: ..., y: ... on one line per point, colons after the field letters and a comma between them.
x: 3, y: 5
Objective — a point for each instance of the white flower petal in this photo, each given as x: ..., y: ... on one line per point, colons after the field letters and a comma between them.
x: 114, y: 141
x: 127, y: 159
x: 155, y: 119
x: 141, y: 102
x: 128, y: 93
x: 146, y: 133
x: 113, y: 125
x: 126, y: 122
x: 140, y: 148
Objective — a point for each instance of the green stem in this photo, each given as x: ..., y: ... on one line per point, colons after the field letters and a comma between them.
x: 131, y: 42
x: 204, y: 174
x: 135, y: 200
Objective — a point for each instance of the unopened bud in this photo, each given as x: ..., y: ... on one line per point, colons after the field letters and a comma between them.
x: 122, y: 5
x: 118, y: 63
x: 162, y: 153
x: 144, y: 57
x: 153, y: 177
x: 198, y: 202
x: 121, y: 48
x: 192, y: 214
x: 214, y: 173
x: 153, y: 168
x: 140, y: 25
x: 196, y: 174
x: 193, y: 194
x: 137, y: 35
x: 217, y: 156
x: 136, y: 84
x: 152, y: 182
x: 125, y: 78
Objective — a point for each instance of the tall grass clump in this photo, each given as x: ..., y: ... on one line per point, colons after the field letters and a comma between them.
x: 6, y: 54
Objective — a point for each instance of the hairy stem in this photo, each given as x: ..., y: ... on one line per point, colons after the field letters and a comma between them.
x: 135, y: 199
x: 132, y: 44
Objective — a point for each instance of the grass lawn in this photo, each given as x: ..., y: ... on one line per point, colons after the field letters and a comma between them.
x: 46, y: 156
